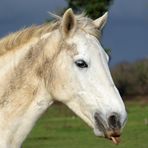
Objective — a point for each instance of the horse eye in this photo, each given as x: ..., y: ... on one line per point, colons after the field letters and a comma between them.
x: 81, y: 63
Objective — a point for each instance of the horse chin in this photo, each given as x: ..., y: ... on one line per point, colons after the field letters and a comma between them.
x: 114, y: 138
x: 98, y: 133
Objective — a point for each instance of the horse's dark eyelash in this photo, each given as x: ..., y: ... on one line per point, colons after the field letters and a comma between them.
x: 81, y: 63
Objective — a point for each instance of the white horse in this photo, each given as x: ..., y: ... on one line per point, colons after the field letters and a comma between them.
x: 62, y: 61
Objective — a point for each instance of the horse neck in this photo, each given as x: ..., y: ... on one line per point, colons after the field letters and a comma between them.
x: 24, y: 97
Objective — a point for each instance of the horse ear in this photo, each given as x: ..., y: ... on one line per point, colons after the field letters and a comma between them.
x: 68, y: 22
x: 101, y: 21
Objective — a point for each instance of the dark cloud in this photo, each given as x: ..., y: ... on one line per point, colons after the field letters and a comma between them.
x: 130, y: 9
x: 16, y: 14
x: 126, y: 32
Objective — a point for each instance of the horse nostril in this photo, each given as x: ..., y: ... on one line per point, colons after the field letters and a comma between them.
x: 101, y: 124
x: 113, y: 121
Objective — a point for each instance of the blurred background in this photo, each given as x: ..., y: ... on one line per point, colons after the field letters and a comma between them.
x: 125, y: 38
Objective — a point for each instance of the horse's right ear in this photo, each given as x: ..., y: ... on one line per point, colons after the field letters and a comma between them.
x: 101, y: 21
x: 68, y: 24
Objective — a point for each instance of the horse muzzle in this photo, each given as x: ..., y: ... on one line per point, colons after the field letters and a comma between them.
x: 111, y: 128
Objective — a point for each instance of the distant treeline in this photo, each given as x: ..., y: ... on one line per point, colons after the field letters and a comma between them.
x: 132, y: 78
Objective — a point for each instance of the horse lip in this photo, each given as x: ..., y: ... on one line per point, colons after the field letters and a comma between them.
x: 114, y: 135
x: 115, y: 140
x: 109, y: 133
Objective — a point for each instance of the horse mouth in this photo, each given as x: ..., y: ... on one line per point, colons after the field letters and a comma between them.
x: 116, y: 140
x: 112, y: 134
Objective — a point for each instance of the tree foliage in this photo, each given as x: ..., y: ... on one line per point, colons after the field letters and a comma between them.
x: 132, y: 78
x: 93, y: 8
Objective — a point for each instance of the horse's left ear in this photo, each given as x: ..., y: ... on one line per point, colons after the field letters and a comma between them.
x: 68, y: 23
x: 101, y: 21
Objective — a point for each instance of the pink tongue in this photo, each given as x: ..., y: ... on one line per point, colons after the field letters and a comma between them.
x: 116, y: 140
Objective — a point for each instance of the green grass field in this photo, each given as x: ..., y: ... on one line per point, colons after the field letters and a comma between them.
x: 59, y: 128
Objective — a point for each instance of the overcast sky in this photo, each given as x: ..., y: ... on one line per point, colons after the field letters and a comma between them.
x: 126, y: 32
